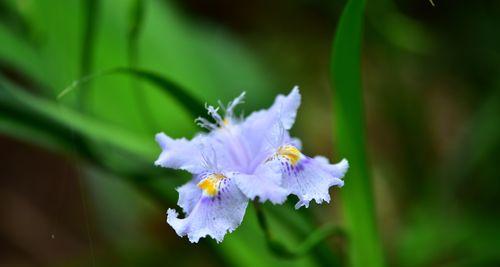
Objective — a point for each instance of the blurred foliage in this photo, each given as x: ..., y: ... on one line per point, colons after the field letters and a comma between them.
x: 431, y: 97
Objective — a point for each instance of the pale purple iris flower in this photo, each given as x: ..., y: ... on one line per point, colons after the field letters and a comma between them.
x: 242, y: 159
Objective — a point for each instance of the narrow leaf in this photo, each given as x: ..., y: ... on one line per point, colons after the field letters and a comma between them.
x: 189, y: 102
x: 91, y: 16
x: 364, y: 244
x: 35, y: 110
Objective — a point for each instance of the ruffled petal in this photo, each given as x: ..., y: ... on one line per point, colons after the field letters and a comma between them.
x: 258, y: 129
x: 265, y: 183
x: 286, y: 107
x: 181, y: 153
x: 284, y: 110
x: 189, y: 194
x: 309, y: 178
x: 219, y: 209
x: 336, y: 170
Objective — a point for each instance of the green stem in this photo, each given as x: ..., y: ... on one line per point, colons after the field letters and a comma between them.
x: 310, y: 242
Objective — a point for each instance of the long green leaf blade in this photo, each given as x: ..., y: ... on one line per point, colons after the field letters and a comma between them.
x: 91, y: 17
x: 189, y: 102
x: 364, y: 244
x: 16, y: 100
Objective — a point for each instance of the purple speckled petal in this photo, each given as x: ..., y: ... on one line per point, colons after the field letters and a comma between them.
x: 311, y: 179
x: 212, y: 216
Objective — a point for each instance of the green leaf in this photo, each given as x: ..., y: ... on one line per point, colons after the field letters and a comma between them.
x: 23, y: 106
x: 90, y: 20
x: 364, y: 245
x: 15, y: 52
x: 135, y: 27
x: 13, y: 126
x: 284, y: 250
x: 398, y: 29
x: 190, y: 103
x: 33, y: 119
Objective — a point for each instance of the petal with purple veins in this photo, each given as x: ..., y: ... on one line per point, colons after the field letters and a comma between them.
x: 219, y: 210
x: 309, y: 178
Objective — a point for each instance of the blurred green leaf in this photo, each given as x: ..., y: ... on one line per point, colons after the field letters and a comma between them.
x: 286, y: 251
x: 364, y: 245
x: 15, y: 99
x: 191, y: 104
x: 182, y: 53
x: 15, y: 52
x: 435, y: 238
x: 247, y: 246
x: 201, y: 58
x: 13, y: 126
x: 400, y: 30
x: 91, y: 18
x: 135, y: 26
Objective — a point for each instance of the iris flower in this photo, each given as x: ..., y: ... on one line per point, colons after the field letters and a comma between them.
x: 242, y: 159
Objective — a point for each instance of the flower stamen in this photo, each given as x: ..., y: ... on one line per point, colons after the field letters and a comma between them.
x: 290, y: 153
x: 211, y: 184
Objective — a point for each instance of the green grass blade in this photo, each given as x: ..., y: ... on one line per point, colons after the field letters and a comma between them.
x: 364, y: 245
x: 16, y: 53
x: 189, y: 102
x: 136, y: 23
x: 135, y: 27
x: 23, y: 105
x: 284, y: 250
x: 91, y: 17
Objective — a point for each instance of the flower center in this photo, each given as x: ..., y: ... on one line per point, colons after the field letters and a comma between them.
x: 290, y: 153
x: 211, y: 184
